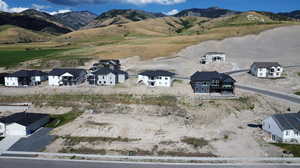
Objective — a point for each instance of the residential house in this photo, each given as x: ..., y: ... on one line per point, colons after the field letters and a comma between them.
x: 154, y: 78
x: 25, y: 78
x: 212, y: 57
x: 212, y: 82
x: 22, y: 124
x: 283, y: 127
x: 266, y: 69
x: 108, y: 63
x: 66, y: 77
x: 2, y: 78
x: 107, y: 76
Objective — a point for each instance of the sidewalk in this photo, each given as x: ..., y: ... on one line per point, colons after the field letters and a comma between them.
x: 7, y: 142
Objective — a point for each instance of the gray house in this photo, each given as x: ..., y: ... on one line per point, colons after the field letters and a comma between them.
x: 107, y: 76
x: 283, y: 127
x: 22, y: 124
x: 212, y: 82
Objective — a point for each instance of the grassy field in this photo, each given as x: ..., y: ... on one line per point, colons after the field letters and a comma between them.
x: 294, y: 149
x: 14, y: 57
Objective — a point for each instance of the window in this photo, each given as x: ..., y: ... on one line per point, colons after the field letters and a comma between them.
x: 166, y: 78
x: 278, y: 69
x: 287, y: 133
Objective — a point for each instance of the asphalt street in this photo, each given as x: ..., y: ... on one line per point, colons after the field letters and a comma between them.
x: 35, y: 163
x: 293, y: 99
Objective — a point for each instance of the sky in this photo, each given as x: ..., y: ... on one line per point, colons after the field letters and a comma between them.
x: 164, y: 6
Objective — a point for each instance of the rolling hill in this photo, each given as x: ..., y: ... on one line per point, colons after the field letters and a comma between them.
x: 121, y: 17
x: 12, y: 34
x: 213, y: 12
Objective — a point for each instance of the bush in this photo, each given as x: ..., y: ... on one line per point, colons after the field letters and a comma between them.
x: 195, y: 142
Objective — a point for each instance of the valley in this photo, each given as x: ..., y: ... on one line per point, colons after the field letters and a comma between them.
x: 133, y: 119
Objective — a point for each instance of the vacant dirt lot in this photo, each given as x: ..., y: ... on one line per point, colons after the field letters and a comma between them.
x: 280, y: 44
x: 151, y: 129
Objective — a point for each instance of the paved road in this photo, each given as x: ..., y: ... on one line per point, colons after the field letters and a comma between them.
x: 294, y: 99
x: 35, y: 142
x: 38, y: 163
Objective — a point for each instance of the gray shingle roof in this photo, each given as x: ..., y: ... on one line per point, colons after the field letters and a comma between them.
x: 24, y: 119
x: 211, y: 75
x: 74, y: 72
x: 27, y: 73
x: 214, y: 53
x: 266, y: 64
x: 105, y: 71
x: 289, y: 121
x: 154, y: 73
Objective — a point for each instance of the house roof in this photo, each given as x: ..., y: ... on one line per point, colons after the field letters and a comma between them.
x: 105, y: 71
x: 27, y: 73
x: 110, y: 61
x: 211, y: 75
x: 266, y: 64
x: 23, y: 118
x: 289, y: 121
x: 58, y: 72
x: 154, y: 73
x: 2, y: 75
x: 214, y: 53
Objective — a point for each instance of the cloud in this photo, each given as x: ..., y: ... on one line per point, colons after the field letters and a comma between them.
x: 4, y: 7
x: 39, y: 7
x: 135, y: 2
x: 60, y: 11
x: 172, y: 12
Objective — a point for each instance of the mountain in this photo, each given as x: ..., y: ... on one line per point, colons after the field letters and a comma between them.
x: 34, y: 21
x: 121, y: 17
x: 213, y: 12
x: 293, y: 14
x: 75, y: 20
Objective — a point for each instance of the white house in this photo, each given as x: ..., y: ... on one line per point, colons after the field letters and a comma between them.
x: 212, y: 57
x: 59, y: 77
x: 107, y: 76
x: 22, y: 124
x: 156, y: 78
x: 266, y: 69
x: 283, y: 127
x: 25, y: 78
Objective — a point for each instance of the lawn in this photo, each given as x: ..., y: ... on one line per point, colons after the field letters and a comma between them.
x: 11, y: 58
x: 294, y: 149
x: 62, y: 119
x: 297, y: 93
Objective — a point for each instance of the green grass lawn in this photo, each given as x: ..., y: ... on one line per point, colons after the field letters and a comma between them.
x: 62, y: 119
x: 297, y: 93
x: 294, y: 149
x: 9, y: 58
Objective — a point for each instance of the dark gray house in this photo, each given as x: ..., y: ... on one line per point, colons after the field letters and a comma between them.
x: 107, y: 76
x: 212, y: 82
x: 66, y: 77
x: 25, y: 78
x: 2, y: 78
x: 113, y: 64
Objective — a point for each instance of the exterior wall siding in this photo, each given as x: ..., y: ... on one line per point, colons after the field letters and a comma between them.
x: 160, y: 81
x: 11, y: 81
x: 16, y: 130
x: 269, y: 125
x: 109, y: 80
